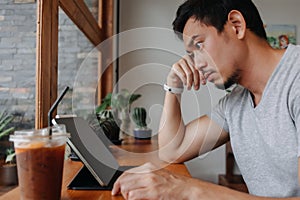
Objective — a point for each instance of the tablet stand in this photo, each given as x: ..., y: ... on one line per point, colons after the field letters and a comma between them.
x: 84, y: 180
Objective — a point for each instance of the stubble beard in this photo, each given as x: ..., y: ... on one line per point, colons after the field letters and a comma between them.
x: 233, y: 79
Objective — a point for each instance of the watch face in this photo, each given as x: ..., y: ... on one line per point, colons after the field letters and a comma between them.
x: 173, y: 90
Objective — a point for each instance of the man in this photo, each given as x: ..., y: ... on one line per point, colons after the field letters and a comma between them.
x: 226, y: 44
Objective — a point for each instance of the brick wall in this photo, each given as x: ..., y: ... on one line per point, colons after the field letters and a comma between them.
x: 17, y: 58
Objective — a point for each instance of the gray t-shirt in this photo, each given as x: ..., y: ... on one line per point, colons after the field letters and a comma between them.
x: 266, y: 139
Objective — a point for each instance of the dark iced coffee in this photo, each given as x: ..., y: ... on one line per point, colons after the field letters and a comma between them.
x: 40, y: 161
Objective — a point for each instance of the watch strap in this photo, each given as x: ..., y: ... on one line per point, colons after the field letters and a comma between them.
x: 173, y: 90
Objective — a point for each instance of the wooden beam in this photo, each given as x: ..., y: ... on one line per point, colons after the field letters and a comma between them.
x: 106, y: 13
x: 46, y: 59
x: 80, y: 14
x: 47, y: 47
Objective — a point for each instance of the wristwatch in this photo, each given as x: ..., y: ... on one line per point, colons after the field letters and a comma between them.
x: 173, y: 90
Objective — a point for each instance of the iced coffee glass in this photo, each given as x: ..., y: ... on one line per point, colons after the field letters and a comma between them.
x: 40, y: 159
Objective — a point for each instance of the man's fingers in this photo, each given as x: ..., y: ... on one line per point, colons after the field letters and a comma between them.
x: 125, y: 183
x: 116, y: 188
x: 189, y: 71
x: 143, y: 193
x: 179, y: 72
x: 185, y: 71
x: 196, y: 80
x: 130, y: 179
x: 196, y: 76
x: 133, y: 182
x: 202, y: 78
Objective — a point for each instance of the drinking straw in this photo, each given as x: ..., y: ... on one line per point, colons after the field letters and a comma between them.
x: 54, y: 106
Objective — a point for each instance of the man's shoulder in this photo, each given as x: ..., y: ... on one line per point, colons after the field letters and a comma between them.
x: 294, y: 47
x: 292, y: 52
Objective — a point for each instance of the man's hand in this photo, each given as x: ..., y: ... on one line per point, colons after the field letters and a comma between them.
x: 149, y: 182
x: 185, y: 73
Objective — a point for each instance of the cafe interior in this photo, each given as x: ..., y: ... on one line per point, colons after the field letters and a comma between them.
x: 84, y: 52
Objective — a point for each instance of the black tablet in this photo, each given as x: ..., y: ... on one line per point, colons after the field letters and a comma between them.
x: 101, y: 169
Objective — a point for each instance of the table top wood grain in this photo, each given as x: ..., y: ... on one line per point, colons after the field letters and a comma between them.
x: 130, y: 153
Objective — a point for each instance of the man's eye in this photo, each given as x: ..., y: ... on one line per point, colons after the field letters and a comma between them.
x: 198, y: 45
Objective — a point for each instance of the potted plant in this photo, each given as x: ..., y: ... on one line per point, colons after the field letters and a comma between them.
x: 111, y: 130
x: 141, y: 132
x: 122, y: 103
x: 103, y: 111
x: 115, y: 109
x: 8, y: 167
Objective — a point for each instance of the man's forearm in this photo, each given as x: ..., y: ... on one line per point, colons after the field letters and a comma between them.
x: 171, y: 131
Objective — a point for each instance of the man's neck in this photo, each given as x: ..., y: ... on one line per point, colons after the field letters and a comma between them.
x: 261, y: 63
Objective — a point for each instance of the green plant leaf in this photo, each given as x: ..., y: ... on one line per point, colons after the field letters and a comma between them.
x: 118, y: 101
x: 101, y: 108
x: 3, y: 123
x: 133, y: 98
x: 2, y: 114
x: 10, y: 157
x: 107, y: 98
x: 106, y: 103
x: 123, y: 102
x: 7, y: 132
x: 5, y: 120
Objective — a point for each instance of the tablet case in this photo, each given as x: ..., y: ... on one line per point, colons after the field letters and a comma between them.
x: 101, y: 169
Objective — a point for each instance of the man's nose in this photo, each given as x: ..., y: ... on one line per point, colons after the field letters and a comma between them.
x: 200, y: 65
x: 199, y: 60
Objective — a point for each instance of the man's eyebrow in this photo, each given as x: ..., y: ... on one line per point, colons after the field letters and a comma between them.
x: 190, y: 43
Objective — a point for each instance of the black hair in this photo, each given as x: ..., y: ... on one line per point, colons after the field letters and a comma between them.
x: 215, y: 13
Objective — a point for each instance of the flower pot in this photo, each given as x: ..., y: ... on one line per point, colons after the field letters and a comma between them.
x: 111, y: 130
x: 142, y: 134
x: 8, y: 175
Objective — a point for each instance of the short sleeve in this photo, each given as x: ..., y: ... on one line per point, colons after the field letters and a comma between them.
x: 218, y: 114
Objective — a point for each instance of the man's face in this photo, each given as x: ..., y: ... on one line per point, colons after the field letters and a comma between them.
x: 211, y: 52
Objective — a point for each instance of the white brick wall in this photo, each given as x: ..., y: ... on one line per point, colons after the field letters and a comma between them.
x: 17, y: 58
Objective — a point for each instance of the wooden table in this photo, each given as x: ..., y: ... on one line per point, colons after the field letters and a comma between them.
x: 129, y: 153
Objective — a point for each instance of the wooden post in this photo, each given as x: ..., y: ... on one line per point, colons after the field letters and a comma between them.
x: 47, y: 47
x: 106, y: 13
x: 46, y: 59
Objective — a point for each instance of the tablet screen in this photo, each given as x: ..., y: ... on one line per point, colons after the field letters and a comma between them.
x: 91, y: 148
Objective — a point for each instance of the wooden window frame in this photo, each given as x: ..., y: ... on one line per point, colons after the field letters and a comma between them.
x: 47, y: 47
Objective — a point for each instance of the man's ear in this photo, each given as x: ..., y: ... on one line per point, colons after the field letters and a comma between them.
x: 237, y: 22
